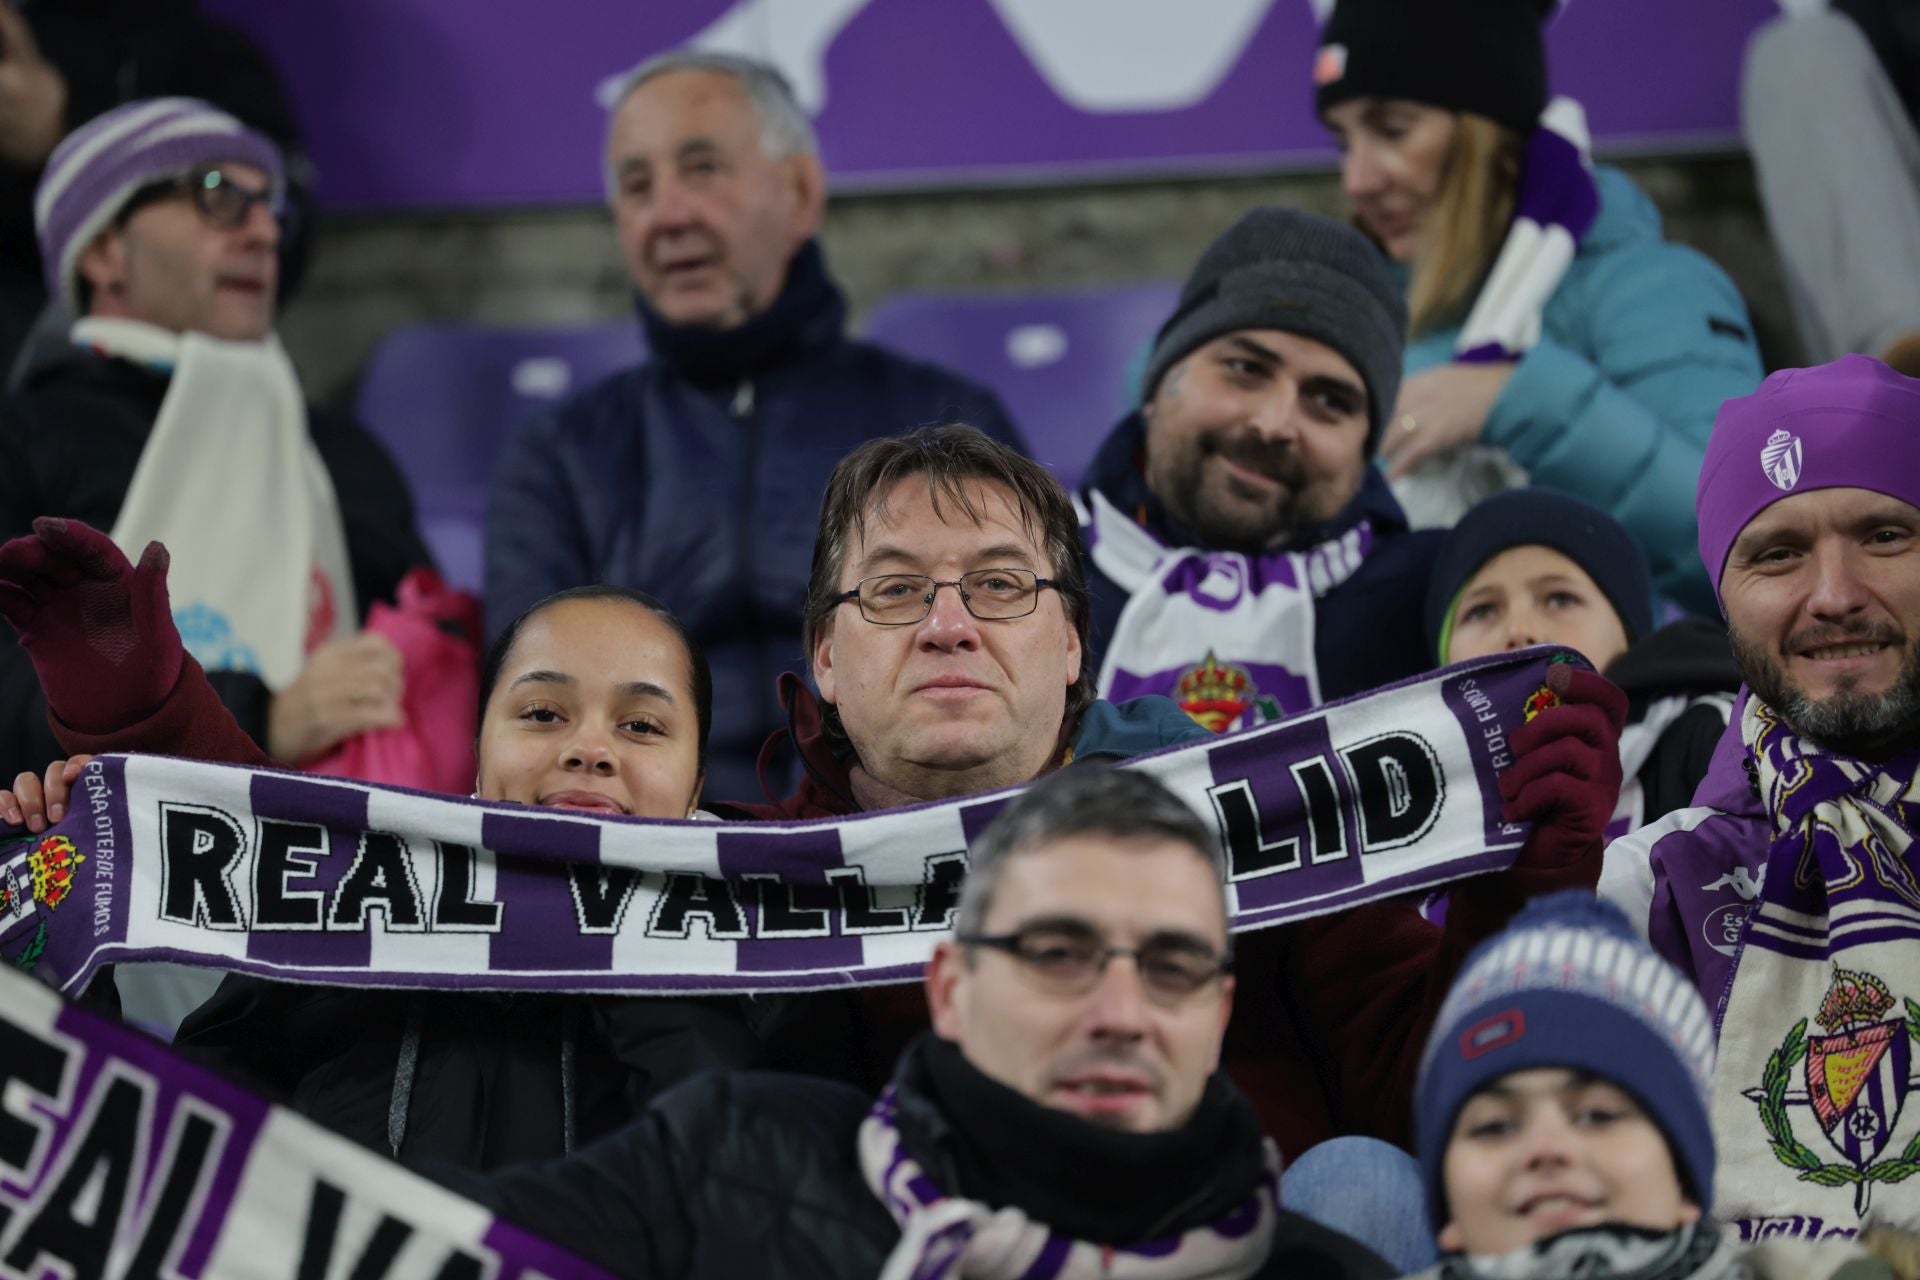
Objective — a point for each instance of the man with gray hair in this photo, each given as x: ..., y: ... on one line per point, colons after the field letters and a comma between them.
x: 695, y: 476
x: 1067, y: 1109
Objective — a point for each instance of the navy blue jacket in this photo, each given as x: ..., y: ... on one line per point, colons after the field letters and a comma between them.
x: 1367, y: 630
x: 697, y: 477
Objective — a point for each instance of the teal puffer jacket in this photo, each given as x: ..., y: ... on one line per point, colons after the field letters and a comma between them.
x: 1640, y: 344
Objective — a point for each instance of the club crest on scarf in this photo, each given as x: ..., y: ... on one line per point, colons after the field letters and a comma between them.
x: 1221, y: 696
x: 1856, y: 1078
x: 1780, y: 458
x: 52, y: 866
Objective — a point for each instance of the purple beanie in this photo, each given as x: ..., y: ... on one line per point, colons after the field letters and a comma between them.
x: 98, y: 166
x: 1852, y: 424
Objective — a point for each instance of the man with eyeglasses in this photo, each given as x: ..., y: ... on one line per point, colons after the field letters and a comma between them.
x: 173, y: 414
x: 1066, y: 1118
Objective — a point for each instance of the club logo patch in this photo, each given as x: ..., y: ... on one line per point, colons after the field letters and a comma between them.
x: 1781, y: 459
x: 1856, y: 1079
x: 53, y: 865
x: 1218, y: 695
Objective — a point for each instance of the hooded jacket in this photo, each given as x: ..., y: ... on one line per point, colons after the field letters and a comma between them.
x: 697, y: 477
x: 70, y: 440
x: 1367, y: 630
x: 1640, y: 344
x: 751, y: 1174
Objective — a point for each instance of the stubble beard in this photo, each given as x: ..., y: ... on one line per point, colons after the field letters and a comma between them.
x: 1848, y: 722
x: 1258, y: 523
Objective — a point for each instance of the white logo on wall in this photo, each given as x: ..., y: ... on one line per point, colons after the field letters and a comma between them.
x: 1781, y: 459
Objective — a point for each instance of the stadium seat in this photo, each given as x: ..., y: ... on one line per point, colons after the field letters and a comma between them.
x: 443, y: 399
x: 1061, y: 361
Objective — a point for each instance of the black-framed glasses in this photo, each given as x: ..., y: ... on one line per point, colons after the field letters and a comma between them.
x: 222, y: 200
x: 1070, y: 961
x: 901, y: 599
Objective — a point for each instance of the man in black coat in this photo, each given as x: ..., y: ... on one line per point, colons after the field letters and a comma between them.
x: 696, y: 475
x: 1067, y: 1108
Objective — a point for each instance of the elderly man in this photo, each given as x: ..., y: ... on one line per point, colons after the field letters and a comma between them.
x: 174, y: 414
x: 1067, y: 1108
x: 695, y: 476
x: 1790, y: 894
x: 1247, y: 558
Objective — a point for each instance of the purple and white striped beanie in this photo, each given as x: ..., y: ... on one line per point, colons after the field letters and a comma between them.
x: 96, y: 168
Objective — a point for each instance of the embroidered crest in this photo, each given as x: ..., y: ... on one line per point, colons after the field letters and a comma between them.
x: 1219, y: 695
x: 1780, y: 459
x: 53, y: 864
x: 1857, y: 1077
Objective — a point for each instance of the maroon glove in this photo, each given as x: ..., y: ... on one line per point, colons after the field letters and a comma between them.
x: 1565, y: 776
x: 99, y: 630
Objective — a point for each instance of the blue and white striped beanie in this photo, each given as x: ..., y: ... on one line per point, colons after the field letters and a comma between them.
x: 97, y: 168
x: 1570, y: 984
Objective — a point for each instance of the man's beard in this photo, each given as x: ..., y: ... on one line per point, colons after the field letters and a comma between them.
x: 1848, y: 722
x: 1239, y: 528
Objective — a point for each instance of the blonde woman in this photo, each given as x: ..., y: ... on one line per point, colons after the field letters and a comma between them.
x: 1554, y: 334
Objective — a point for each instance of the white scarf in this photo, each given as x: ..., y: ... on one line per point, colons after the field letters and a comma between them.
x: 1228, y: 636
x: 231, y: 482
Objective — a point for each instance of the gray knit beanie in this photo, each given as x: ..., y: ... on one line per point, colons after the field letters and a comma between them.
x: 98, y: 167
x: 1292, y: 271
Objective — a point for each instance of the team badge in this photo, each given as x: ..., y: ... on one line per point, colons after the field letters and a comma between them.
x: 1218, y: 695
x: 53, y: 865
x: 1856, y: 1079
x: 1781, y: 458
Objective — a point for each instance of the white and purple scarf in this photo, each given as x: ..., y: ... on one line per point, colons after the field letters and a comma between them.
x: 326, y: 880
x: 948, y: 1237
x: 1812, y: 1108
x: 1228, y: 636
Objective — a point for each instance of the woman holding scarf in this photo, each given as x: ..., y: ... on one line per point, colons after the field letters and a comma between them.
x: 1554, y: 334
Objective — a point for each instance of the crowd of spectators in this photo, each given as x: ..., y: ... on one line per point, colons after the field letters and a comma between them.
x: 775, y: 572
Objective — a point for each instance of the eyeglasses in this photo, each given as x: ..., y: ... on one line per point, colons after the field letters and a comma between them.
x: 221, y: 200
x: 1070, y: 962
x: 901, y: 599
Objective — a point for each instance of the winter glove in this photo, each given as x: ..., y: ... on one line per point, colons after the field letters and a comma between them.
x: 99, y: 630
x: 1565, y: 776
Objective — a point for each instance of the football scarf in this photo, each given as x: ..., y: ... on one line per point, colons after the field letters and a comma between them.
x: 326, y: 880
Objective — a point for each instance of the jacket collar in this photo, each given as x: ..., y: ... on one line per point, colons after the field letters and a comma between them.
x: 1119, y: 473
x: 808, y: 315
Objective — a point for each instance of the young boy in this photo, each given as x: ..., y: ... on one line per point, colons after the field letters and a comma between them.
x: 1531, y: 566
x: 1561, y: 1114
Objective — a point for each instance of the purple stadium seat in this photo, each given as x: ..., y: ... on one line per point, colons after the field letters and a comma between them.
x: 1062, y: 361
x: 444, y: 398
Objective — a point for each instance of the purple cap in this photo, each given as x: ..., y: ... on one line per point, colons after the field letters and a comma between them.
x: 96, y: 168
x: 1852, y: 424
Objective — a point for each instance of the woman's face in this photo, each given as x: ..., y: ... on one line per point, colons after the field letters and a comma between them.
x: 1534, y: 595
x: 1549, y: 1150
x: 1393, y: 158
x: 593, y: 710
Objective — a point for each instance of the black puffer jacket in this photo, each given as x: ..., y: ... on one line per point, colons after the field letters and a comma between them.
x: 69, y: 442
x: 758, y: 1175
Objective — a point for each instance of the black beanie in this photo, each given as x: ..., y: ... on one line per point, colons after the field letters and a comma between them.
x: 1482, y: 56
x: 1583, y: 534
x: 1298, y: 273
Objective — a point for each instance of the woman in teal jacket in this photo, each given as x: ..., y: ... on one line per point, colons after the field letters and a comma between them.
x: 1557, y: 337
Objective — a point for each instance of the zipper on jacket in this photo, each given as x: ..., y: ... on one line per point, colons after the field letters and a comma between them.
x: 744, y: 570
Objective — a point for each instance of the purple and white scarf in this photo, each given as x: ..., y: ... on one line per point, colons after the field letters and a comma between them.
x: 118, y: 1158
x: 946, y: 1237
x: 325, y: 880
x: 1812, y: 1112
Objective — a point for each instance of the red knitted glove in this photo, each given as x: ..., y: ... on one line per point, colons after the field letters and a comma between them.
x: 99, y: 630
x: 1565, y: 776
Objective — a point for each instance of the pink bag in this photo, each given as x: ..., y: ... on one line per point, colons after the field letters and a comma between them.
x: 437, y: 631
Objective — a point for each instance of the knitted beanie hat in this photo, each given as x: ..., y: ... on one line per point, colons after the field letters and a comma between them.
x: 1570, y: 984
x: 1582, y: 533
x: 1852, y: 424
x: 1298, y: 273
x: 1482, y: 56
x: 96, y: 168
